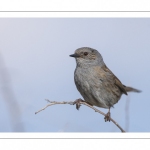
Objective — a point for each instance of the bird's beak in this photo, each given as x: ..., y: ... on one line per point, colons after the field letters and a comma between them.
x: 75, y: 55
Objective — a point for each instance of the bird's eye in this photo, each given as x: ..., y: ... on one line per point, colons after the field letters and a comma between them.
x: 85, y: 53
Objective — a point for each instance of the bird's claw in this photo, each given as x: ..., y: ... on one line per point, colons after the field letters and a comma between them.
x: 107, y: 117
x: 77, y: 102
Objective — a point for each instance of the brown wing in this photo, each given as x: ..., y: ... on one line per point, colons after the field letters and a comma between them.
x: 117, y: 82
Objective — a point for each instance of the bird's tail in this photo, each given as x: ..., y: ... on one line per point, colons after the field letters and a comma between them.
x: 130, y: 89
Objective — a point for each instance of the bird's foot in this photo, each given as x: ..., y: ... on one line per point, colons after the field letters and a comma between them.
x: 107, y: 117
x: 77, y: 102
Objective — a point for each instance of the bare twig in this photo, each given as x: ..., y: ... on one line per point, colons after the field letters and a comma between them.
x: 82, y: 102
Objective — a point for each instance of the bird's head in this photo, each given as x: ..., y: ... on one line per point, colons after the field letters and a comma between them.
x: 86, y: 57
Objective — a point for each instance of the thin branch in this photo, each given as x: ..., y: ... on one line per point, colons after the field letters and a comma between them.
x: 82, y: 102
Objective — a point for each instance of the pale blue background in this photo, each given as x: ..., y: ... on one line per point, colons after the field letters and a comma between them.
x: 35, y: 65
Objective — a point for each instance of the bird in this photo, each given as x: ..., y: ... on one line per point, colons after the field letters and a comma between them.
x: 96, y: 82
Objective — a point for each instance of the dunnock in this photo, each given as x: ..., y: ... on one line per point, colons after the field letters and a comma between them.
x: 95, y: 82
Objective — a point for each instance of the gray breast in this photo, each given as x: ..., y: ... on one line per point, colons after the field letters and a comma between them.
x: 88, y: 88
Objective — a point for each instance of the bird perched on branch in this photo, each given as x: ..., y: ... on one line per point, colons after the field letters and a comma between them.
x: 96, y: 82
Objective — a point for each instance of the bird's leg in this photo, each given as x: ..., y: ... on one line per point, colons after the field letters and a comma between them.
x: 107, y: 117
x: 77, y: 102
